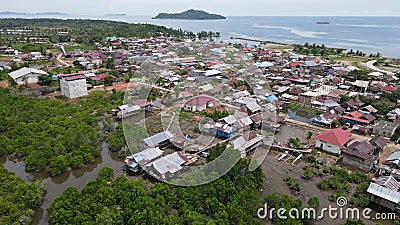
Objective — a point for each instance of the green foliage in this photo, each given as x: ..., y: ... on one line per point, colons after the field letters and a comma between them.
x: 105, y: 173
x: 294, y: 142
x: 18, y: 199
x: 283, y: 201
x: 295, y: 186
x: 357, y: 75
x: 44, y: 80
x: 58, y: 165
x: 341, y: 181
x: 313, y: 202
x: 41, y: 130
x: 315, y: 50
x: 196, y: 130
x: 216, y: 114
x: 109, y: 80
x: 307, y: 174
x: 84, y: 32
x: 231, y: 199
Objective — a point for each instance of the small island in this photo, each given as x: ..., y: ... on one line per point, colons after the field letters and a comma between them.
x: 115, y: 14
x: 190, y: 15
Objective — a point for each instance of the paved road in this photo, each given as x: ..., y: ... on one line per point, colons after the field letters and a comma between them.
x: 370, y: 65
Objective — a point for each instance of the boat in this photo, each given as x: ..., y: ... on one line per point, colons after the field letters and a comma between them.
x: 322, y: 22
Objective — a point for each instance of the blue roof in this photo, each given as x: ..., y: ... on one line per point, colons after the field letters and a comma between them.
x: 272, y: 98
x: 138, y: 158
x: 133, y: 165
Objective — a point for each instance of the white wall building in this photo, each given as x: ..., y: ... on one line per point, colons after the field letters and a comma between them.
x: 73, y: 86
x: 333, y: 141
x: 26, y: 75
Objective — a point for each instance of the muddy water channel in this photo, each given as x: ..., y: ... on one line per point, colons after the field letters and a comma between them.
x: 56, y: 185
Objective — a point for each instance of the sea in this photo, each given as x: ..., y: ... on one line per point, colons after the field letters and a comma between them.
x: 367, y: 34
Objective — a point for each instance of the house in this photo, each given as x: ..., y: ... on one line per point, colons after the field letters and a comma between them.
x: 168, y: 165
x: 393, y: 161
x: 158, y: 139
x: 244, y: 124
x: 155, y: 105
x: 379, y: 142
x: 360, y: 155
x: 198, y: 103
x: 73, y: 86
x: 142, y: 158
x: 221, y: 129
x: 384, y: 196
x: 271, y: 121
x: 391, y: 166
x: 357, y: 117
x: 326, y: 119
x: 26, y: 75
x: 394, y: 114
x: 324, y: 103
x: 128, y: 111
x: 353, y: 104
x: 369, y: 109
x: 333, y: 141
x: 252, y: 108
x: 308, y: 97
x: 385, y: 128
x: 247, y: 142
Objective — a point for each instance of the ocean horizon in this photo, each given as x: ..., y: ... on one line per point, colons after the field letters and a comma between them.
x: 370, y: 34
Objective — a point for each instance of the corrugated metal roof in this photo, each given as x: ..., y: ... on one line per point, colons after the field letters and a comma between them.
x: 148, y: 154
x: 246, y: 121
x: 24, y: 71
x: 229, y: 119
x: 385, y: 193
x: 158, y: 138
x: 389, y: 182
x: 170, y: 163
x: 393, y: 156
x: 253, y: 106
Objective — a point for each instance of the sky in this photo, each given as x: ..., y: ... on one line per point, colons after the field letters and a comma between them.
x: 223, y: 7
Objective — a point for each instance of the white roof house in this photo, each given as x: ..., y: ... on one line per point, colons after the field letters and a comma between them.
x: 26, y: 75
x: 229, y: 120
x: 158, y: 138
x: 168, y: 164
x: 212, y: 73
x: 148, y: 154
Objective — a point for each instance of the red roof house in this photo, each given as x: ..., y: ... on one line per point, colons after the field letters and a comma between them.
x: 333, y: 140
x: 199, y: 103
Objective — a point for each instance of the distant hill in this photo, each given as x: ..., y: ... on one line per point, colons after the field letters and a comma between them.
x: 51, y: 13
x: 41, y: 13
x: 190, y: 15
x: 10, y: 13
x: 116, y: 14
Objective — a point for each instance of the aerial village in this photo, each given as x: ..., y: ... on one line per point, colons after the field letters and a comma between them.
x: 193, y: 95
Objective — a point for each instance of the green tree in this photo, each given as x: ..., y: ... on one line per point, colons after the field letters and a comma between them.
x: 58, y: 165
x: 109, y: 80
x: 313, y: 202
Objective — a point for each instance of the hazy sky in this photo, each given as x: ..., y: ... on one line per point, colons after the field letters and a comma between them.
x: 224, y: 7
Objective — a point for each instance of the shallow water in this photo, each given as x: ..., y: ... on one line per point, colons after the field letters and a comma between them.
x: 56, y: 185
